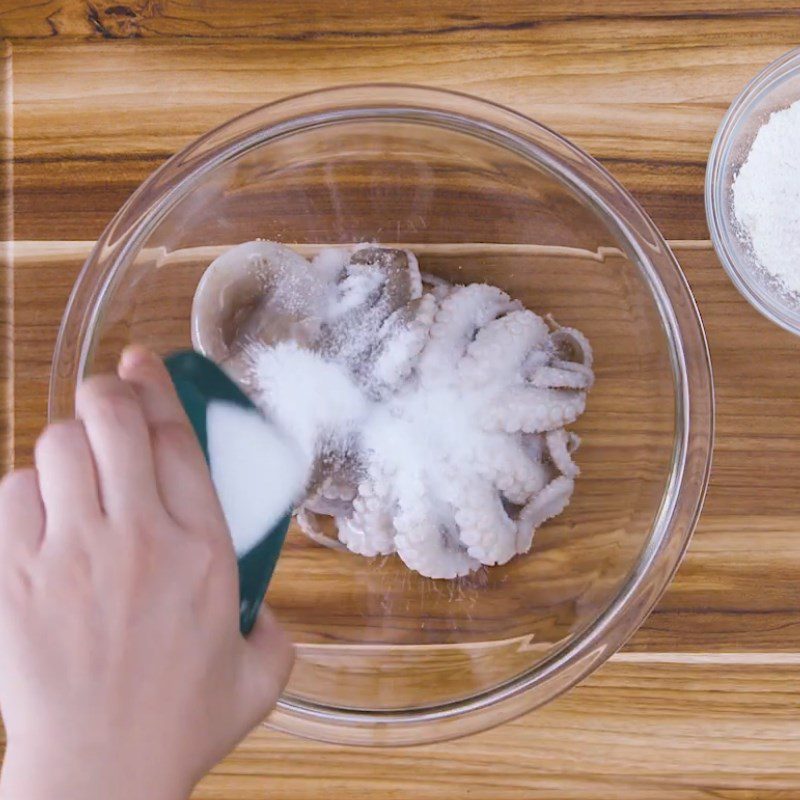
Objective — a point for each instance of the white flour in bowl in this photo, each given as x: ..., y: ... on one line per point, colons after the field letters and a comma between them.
x: 766, y: 197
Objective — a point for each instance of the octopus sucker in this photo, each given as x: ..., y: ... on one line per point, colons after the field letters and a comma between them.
x: 514, y: 470
x: 368, y: 529
x: 428, y: 545
x: 367, y: 534
x: 434, y: 415
x: 485, y: 529
x: 403, y: 337
x: 569, y: 344
x: 562, y: 375
x: 534, y: 410
x: 460, y: 316
x: 502, y: 345
x: 333, y: 495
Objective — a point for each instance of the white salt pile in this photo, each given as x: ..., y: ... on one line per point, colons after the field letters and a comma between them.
x: 243, y: 449
x: 314, y: 400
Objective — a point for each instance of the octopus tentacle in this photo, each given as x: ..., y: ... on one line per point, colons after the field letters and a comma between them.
x: 308, y: 523
x: 375, y: 283
x: 329, y: 263
x: 333, y: 494
x: 569, y: 344
x: 560, y: 446
x: 464, y: 311
x: 511, y: 468
x: 360, y: 288
x: 404, y: 335
x: 562, y: 375
x: 534, y: 446
x: 367, y: 535
x: 369, y: 530
x: 400, y: 268
x: 414, y: 276
x: 428, y: 545
x: 534, y: 410
x: 485, y: 529
x: 550, y: 502
x: 533, y: 361
x: 437, y: 286
x: 500, y: 347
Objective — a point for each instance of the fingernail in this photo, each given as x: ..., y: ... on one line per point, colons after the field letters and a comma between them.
x: 134, y: 355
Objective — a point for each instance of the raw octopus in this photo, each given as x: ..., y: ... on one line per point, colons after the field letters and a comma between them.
x: 455, y: 449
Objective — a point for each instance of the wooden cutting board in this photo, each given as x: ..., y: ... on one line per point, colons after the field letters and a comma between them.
x: 703, y: 702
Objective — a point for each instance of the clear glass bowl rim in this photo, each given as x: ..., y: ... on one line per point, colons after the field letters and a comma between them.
x: 694, y: 398
x: 739, y: 111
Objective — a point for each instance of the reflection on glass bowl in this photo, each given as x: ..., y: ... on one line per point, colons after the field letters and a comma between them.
x: 480, y: 194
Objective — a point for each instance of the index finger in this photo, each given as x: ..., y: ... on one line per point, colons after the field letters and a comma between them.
x: 183, y: 478
x: 147, y: 373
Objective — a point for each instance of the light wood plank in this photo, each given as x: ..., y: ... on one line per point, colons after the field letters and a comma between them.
x: 316, y: 20
x: 6, y: 250
x: 92, y: 122
x: 630, y: 732
x: 739, y: 586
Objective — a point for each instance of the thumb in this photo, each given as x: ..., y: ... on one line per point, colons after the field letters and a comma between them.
x: 269, y: 656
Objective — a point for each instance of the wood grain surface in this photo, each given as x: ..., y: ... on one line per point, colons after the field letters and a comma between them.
x: 703, y: 701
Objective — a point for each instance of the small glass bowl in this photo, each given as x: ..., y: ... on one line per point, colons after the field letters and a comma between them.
x: 479, y: 193
x: 774, y: 88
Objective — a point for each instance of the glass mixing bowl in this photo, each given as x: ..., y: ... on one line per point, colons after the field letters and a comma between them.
x: 480, y: 193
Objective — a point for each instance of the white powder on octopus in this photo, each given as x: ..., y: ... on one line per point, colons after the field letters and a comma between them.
x: 404, y: 440
x: 293, y: 287
x: 313, y: 399
x: 355, y: 314
x: 766, y: 197
x: 297, y: 288
x: 354, y: 291
x: 329, y: 262
x: 407, y: 435
x: 431, y: 465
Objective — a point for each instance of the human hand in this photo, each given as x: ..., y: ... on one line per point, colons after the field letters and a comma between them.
x: 123, y: 672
